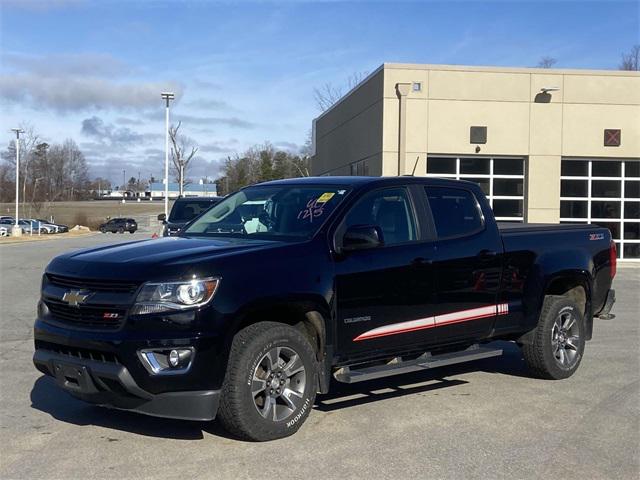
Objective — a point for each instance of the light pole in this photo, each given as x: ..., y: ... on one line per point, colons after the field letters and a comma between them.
x: 17, y: 231
x: 167, y: 96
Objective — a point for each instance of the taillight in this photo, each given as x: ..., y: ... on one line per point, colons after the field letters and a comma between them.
x: 613, y: 259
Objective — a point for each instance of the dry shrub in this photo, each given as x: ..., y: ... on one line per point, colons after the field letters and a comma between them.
x: 81, y: 218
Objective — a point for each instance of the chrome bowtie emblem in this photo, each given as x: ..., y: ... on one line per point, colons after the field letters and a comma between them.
x: 75, y: 297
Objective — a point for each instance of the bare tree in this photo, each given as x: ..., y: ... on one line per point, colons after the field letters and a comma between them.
x: 181, y: 159
x: 547, y: 62
x: 328, y: 94
x: 631, y: 60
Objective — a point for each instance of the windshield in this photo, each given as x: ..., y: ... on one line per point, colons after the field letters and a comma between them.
x: 271, y: 212
x: 187, y: 210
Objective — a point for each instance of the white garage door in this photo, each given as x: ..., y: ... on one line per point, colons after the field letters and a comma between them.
x: 501, y: 179
x: 607, y: 193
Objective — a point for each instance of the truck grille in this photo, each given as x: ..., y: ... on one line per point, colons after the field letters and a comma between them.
x: 90, y: 317
x: 93, y: 285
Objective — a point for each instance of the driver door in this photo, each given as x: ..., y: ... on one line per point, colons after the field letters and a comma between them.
x: 384, y: 295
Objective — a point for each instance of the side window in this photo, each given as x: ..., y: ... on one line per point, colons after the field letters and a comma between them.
x: 390, y: 210
x: 455, y: 211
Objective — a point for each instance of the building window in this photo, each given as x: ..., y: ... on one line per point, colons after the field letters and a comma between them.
x: 360, y: 169
x: 501, y: 179
x: 605, y: 193
x: 417, y: 86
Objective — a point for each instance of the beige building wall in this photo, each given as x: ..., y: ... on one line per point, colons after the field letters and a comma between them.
x: 521, y: 120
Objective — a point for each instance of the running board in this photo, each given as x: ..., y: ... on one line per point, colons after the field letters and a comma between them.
x: 397, y: 366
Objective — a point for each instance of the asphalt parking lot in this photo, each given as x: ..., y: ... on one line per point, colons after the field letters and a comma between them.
x: 480, y: 420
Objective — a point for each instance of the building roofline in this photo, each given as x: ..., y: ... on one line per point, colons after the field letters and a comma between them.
x: 488, y: 69
x: 497, y: 69
x: 355, y: 87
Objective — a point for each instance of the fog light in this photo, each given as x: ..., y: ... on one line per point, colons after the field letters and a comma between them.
x: 174, y: 358
x: 167, y: 362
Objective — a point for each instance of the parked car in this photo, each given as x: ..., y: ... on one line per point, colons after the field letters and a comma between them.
x: 4, y: 231
x: 37, y: 225
x: 61, y: 228
x: 23, y: 224
x: 355, y: 278
x: 119, y: 225
x: 184, y: 210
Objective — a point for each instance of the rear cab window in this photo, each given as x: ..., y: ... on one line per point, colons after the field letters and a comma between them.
x: 456, y: 211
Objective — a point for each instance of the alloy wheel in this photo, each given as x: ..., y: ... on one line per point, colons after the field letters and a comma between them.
x: 565, y: 339
x: 278, y: 383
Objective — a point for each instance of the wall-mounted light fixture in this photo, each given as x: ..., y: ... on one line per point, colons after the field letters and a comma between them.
x: 549, y: 89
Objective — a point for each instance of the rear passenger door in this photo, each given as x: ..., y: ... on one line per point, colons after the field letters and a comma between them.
x: 467, y: 263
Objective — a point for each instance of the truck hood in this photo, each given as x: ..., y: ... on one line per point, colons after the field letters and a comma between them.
x: 150, y: 259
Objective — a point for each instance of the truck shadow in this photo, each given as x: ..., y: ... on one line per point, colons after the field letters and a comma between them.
x: 349, y: 395
x: 48, y: 398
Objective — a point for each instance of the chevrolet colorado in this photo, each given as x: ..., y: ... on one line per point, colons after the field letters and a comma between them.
x: 257, y: 303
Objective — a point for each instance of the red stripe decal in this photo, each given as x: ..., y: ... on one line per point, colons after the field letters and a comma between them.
x: 436, y: 321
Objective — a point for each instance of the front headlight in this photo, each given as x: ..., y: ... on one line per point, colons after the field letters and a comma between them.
x: 157, y: 297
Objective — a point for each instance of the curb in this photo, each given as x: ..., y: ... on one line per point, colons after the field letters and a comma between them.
x: 44, y: 238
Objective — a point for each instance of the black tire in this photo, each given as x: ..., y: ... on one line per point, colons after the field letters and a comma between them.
x: 241, y: 411
x: 103, y: 230
x: 131, y: 232
x: 555, y: 353
x: 121, y: 230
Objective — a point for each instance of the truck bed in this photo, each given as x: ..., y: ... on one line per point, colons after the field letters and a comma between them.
x: 511, y: 227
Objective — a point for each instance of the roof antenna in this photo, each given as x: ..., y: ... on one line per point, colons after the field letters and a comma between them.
x: 415, y: 165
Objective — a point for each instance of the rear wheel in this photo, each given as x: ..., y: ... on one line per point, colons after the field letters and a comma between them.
x: 103, y: 230
x: 121, y: 230
x: 558, y: 344
x: 270, y: 384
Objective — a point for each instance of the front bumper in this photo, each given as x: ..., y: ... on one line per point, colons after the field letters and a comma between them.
x: 110, y: 384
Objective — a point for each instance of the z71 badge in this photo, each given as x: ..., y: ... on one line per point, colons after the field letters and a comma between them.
x: 596, y: 236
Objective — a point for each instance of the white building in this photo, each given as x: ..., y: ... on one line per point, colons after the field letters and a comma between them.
x: 156, y: 190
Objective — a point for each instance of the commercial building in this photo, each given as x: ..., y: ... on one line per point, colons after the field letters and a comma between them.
x: 546, y: 145
x: 156, y: 190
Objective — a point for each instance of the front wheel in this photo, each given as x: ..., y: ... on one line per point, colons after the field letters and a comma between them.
x: 270, y: 384
x: 558, y: 344
x: 121, y: 230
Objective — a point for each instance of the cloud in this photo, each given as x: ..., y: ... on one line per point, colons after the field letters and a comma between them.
x: 128, y: 121
x: 197, y: 120
x: 287, y: 146
x: 95, y: 128
x: 208, y: 103
x: 226, y: 121
x: 215, y: 148
x: 153, y: 151
x: 75, y: 93
x: 92, y: 64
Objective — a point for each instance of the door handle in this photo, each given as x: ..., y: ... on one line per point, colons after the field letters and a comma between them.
x: 487, y: 254
x: 421, y: 261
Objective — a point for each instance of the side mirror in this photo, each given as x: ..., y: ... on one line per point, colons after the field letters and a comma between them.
x: 162, y: 217
x: 361, y: 237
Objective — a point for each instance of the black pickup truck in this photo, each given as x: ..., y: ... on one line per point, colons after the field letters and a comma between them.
x: 259, y: 302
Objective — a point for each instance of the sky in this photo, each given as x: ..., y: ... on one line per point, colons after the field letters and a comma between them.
x: 244, y: 72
